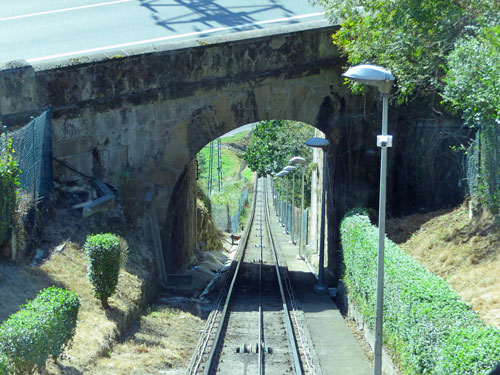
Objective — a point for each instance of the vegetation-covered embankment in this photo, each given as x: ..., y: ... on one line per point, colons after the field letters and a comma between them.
x: 427, y: 327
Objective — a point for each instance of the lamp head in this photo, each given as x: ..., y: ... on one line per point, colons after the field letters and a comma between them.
x: 371, y: 75
x: 317, y: 142
x: 289, y: 168
x: 298, y: 160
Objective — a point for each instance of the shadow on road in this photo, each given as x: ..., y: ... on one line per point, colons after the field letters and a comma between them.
x: 209, y: 14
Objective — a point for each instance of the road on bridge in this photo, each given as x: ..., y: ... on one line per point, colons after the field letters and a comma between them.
x: 36, y: 30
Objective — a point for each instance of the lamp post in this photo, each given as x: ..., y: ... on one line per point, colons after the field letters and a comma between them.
x: 323, y: 144
x: 283, y: 173
x: 382, y: 79
x: 300, y: 161
x: 290, y: 169
x: 280, y: 198
x: 275, y: 195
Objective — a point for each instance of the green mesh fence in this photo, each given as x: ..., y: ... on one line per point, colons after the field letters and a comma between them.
x: 33, y: 151
x: 483, y: 167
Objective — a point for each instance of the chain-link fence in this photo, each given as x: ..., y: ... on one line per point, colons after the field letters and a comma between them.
x: 483, y: 167
x: 235, y: 219
x: 222, y: 215
x: 33, y: 151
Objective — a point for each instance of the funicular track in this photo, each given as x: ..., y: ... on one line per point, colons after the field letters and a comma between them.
x: 254, y: 328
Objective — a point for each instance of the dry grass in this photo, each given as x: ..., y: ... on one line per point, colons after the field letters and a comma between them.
x: 97, y: 329
x: 465, y: 252
x: 163, y: 339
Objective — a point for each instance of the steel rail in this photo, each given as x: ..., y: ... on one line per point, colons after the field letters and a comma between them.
x: 260, y: 348
x: 288, y: 324
x: 298, y: 325
x: 243, y: 245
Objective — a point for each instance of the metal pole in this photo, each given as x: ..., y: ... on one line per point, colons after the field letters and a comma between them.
x: 283, y: 203
x: 320, y: 286
x: 279, y: 200
x: 219, y: 164
x: 285, y: 224
x: 292, y: 224
x: 377, y: 367
x: 273, y: 184
x: 301, y: 224
x: 210, y: 166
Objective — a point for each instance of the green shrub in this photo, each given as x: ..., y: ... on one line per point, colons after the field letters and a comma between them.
x: 4, y: 365
x: 104, y: 255
x: 8, y: 187
x: 423, y: 316
x: 471, y: 350
x: 43, y: 327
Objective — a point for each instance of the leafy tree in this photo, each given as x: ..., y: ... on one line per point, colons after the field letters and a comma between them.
x: 472, y: 82
x: 434, y: 48
x: 273, y: 143
x: 472, y: 87
x: 412, y: 38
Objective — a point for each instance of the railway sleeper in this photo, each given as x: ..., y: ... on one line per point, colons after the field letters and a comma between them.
x: 249, y: 348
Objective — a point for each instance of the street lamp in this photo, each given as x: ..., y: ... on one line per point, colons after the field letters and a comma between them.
x: 283, y: 173
x: 289, y: 222
x: 300, y: 161
x: 275, y: 195
x: 323, y: 144
x: 382, y: 79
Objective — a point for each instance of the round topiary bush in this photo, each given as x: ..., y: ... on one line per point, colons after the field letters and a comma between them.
x: 104, y: 255
x: 43, y: 327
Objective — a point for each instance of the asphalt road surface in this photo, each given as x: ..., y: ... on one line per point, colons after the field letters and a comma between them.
x: 36, y: 30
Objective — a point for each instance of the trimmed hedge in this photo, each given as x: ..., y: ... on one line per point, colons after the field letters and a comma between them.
x: 427, y: 327
x: 43, y: 327
x: 103, y: 269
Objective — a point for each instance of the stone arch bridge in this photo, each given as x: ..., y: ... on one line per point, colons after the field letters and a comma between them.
x: 148, y: 111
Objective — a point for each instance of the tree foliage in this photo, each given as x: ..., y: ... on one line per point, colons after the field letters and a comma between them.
x: 472, y: 82
x: 472, y: 86
x: 412, y: 38
x: 274, y: 142
x: 436, y: 49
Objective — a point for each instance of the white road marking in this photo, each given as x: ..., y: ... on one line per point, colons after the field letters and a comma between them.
x: 63, y: 10
x: 171, y: 37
